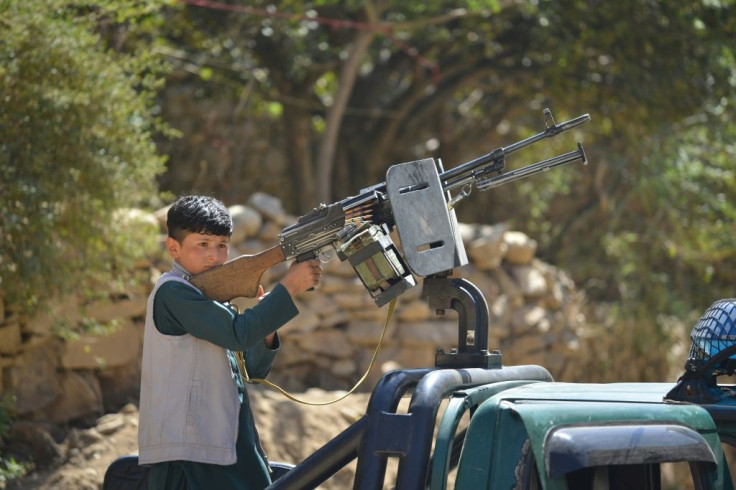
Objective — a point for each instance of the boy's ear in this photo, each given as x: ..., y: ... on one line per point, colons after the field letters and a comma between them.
x: 173, y: 247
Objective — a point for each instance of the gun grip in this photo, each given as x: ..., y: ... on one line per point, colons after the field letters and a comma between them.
x: 304, y: 258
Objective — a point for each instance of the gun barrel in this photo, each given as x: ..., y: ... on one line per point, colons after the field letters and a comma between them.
x: 456, y: 177
x: 572, y: 123
x: 551, y: 131
x: 544, y: 165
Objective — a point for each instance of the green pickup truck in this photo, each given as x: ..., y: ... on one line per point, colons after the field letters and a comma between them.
x: 585, y: 436
x: 526, y: 431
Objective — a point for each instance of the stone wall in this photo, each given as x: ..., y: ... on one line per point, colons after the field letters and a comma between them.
x: 535, y: 309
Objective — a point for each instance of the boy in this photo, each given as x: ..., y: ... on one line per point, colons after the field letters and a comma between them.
x: 196, y: 428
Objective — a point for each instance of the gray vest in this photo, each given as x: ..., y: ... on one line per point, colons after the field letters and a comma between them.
x: 189, y: 403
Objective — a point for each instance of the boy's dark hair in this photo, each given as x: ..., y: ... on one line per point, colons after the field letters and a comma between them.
x: 198, y: 214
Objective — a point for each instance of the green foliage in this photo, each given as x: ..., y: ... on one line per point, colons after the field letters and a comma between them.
x: 77, y: 120
x: 673, y: 235
x: 9, y: 467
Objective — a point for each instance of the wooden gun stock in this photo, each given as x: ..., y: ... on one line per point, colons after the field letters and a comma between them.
x: 239, y: 277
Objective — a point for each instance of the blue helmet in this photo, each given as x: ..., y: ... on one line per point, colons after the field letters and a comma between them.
x: 712, y: 354
x: 715, y: 332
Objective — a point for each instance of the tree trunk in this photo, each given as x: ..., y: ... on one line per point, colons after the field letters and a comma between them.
x: 302, y: 181
x: 346, y: 82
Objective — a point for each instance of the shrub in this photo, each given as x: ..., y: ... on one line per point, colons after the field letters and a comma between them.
x: 77, y: 121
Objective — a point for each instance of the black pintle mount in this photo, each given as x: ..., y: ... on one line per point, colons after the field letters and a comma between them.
x: 698, y: 384
x: 461, y: 295
x: 695, y: 385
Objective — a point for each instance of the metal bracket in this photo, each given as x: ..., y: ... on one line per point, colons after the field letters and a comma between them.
x: 426, y: 226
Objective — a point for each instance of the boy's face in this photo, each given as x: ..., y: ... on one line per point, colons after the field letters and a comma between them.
x: 199, y: 252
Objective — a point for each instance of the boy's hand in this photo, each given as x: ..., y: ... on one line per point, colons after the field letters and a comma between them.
x: 302, y: 276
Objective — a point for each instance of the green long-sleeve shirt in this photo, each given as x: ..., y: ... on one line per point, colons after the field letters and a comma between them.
x: 178, y: 310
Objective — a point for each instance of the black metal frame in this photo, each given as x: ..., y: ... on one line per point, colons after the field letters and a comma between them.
x: 382, y: 432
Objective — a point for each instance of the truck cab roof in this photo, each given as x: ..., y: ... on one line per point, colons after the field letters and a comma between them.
x: 557, y: 431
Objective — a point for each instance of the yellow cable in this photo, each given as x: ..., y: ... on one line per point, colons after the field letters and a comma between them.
x: 265, y: 382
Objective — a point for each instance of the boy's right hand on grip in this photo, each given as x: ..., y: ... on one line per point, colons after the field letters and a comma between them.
x: 302, y: 276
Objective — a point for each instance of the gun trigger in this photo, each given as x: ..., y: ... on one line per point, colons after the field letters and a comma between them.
x: 325, y: 256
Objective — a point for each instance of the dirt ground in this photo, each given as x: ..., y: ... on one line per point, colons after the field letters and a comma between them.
x: 289, y: 432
